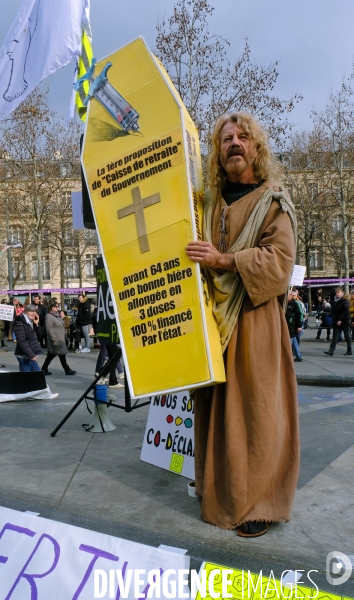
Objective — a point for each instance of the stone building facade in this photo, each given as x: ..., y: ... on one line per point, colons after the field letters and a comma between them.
x: 67, y: 255
x: 324, y: 203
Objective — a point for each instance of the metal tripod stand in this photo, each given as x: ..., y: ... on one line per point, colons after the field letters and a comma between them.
x: 128, y: 405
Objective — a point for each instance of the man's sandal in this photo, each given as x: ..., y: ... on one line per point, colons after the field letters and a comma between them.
x: 253, y: 529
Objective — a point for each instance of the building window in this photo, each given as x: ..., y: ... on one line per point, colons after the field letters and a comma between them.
x: 90, y: 265
x: 45, y: 238
x: 69, y: 238
x: 337, y: 225
x: 18, y: 269
x: 285, y: 159
x: 16, y: 235
x: 315, y: 228
x: 72, y: 267
x: 90, y: 237
x: 313, y: 189
x: 65, y: 169
x: 34, y: 268
x: 337, y: 192
x: 316, y: 259
x: 66, y: 199
x: 45, y: 267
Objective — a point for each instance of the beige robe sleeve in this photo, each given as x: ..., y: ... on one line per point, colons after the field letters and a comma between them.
x: 266, y: 270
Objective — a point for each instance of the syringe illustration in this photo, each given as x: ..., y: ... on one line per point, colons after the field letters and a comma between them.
x: 110, y: 98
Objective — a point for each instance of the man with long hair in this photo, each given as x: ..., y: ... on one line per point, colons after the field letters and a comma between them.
x: 246, y: 431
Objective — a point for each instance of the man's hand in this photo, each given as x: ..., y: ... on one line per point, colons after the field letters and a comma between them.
x: 339, y: 323
x: 299, y: 329
x: 206, y: 254
x: 36, y: 319
x: 34, y: 358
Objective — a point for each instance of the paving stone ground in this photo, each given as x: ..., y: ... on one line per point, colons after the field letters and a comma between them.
x: 97, y: 481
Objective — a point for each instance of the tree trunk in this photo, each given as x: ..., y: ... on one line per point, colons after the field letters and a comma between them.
x: 39, y: 260
x: 80, y: 271
x: 38, y: 210
x: 345, y: 225
x: 308, y: 274
x: 345, y: 246
x: 62, y: 277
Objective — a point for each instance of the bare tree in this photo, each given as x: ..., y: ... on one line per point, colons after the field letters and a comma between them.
x: 39, y: 155
x: 306, y: 181
x: 69, y: 246
x: 12, y: 232
x: 321, y: 175
x: 209, y: 84
x: 335, y: 127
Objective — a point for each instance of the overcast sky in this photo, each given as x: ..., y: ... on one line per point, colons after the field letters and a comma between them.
x: 312, y: 39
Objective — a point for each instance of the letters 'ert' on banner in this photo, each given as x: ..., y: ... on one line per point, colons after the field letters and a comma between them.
x: 142, y: 165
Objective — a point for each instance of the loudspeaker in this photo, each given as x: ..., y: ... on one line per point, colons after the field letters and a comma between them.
x: 101, y: 419
x: 87, y: 213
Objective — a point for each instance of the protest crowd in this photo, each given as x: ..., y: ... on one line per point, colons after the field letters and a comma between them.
x: 41, y: 327
x: 334, y: 314
x: 333, y: 311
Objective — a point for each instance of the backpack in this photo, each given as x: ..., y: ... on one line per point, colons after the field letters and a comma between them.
x: 328, y: 321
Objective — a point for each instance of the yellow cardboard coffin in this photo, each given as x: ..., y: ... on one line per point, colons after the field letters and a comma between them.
x: 142, y: 165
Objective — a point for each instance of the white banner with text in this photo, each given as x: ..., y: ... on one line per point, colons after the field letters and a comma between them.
x: 45, y: 559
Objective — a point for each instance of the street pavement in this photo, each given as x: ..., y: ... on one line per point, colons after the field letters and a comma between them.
x: 97, y: 481
x: 318, y: 368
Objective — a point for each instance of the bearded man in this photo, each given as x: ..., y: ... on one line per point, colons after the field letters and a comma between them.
x: 246, y: 431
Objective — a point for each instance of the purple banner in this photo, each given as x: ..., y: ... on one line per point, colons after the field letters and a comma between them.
x: 49, y: 291
x: 337, y: 280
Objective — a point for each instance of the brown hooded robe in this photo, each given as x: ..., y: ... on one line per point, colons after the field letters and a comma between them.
x: 246, y: 431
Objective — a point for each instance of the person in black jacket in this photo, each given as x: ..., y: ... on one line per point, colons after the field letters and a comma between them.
x: 55, y: 339
x: 42, y: 311
x: 341, y: 321
x: 325, y: 316
x: 294, y: 318
x: 84, y: 320
x: 26, y: 329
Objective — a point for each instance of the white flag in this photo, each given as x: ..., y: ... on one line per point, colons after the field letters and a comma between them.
x: 45, y: 36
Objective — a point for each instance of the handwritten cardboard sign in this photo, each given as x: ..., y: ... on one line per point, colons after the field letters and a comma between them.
x: 45, y: 559
x: 169, y: 435
x: 6, y: 312
x: 298, y: 275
